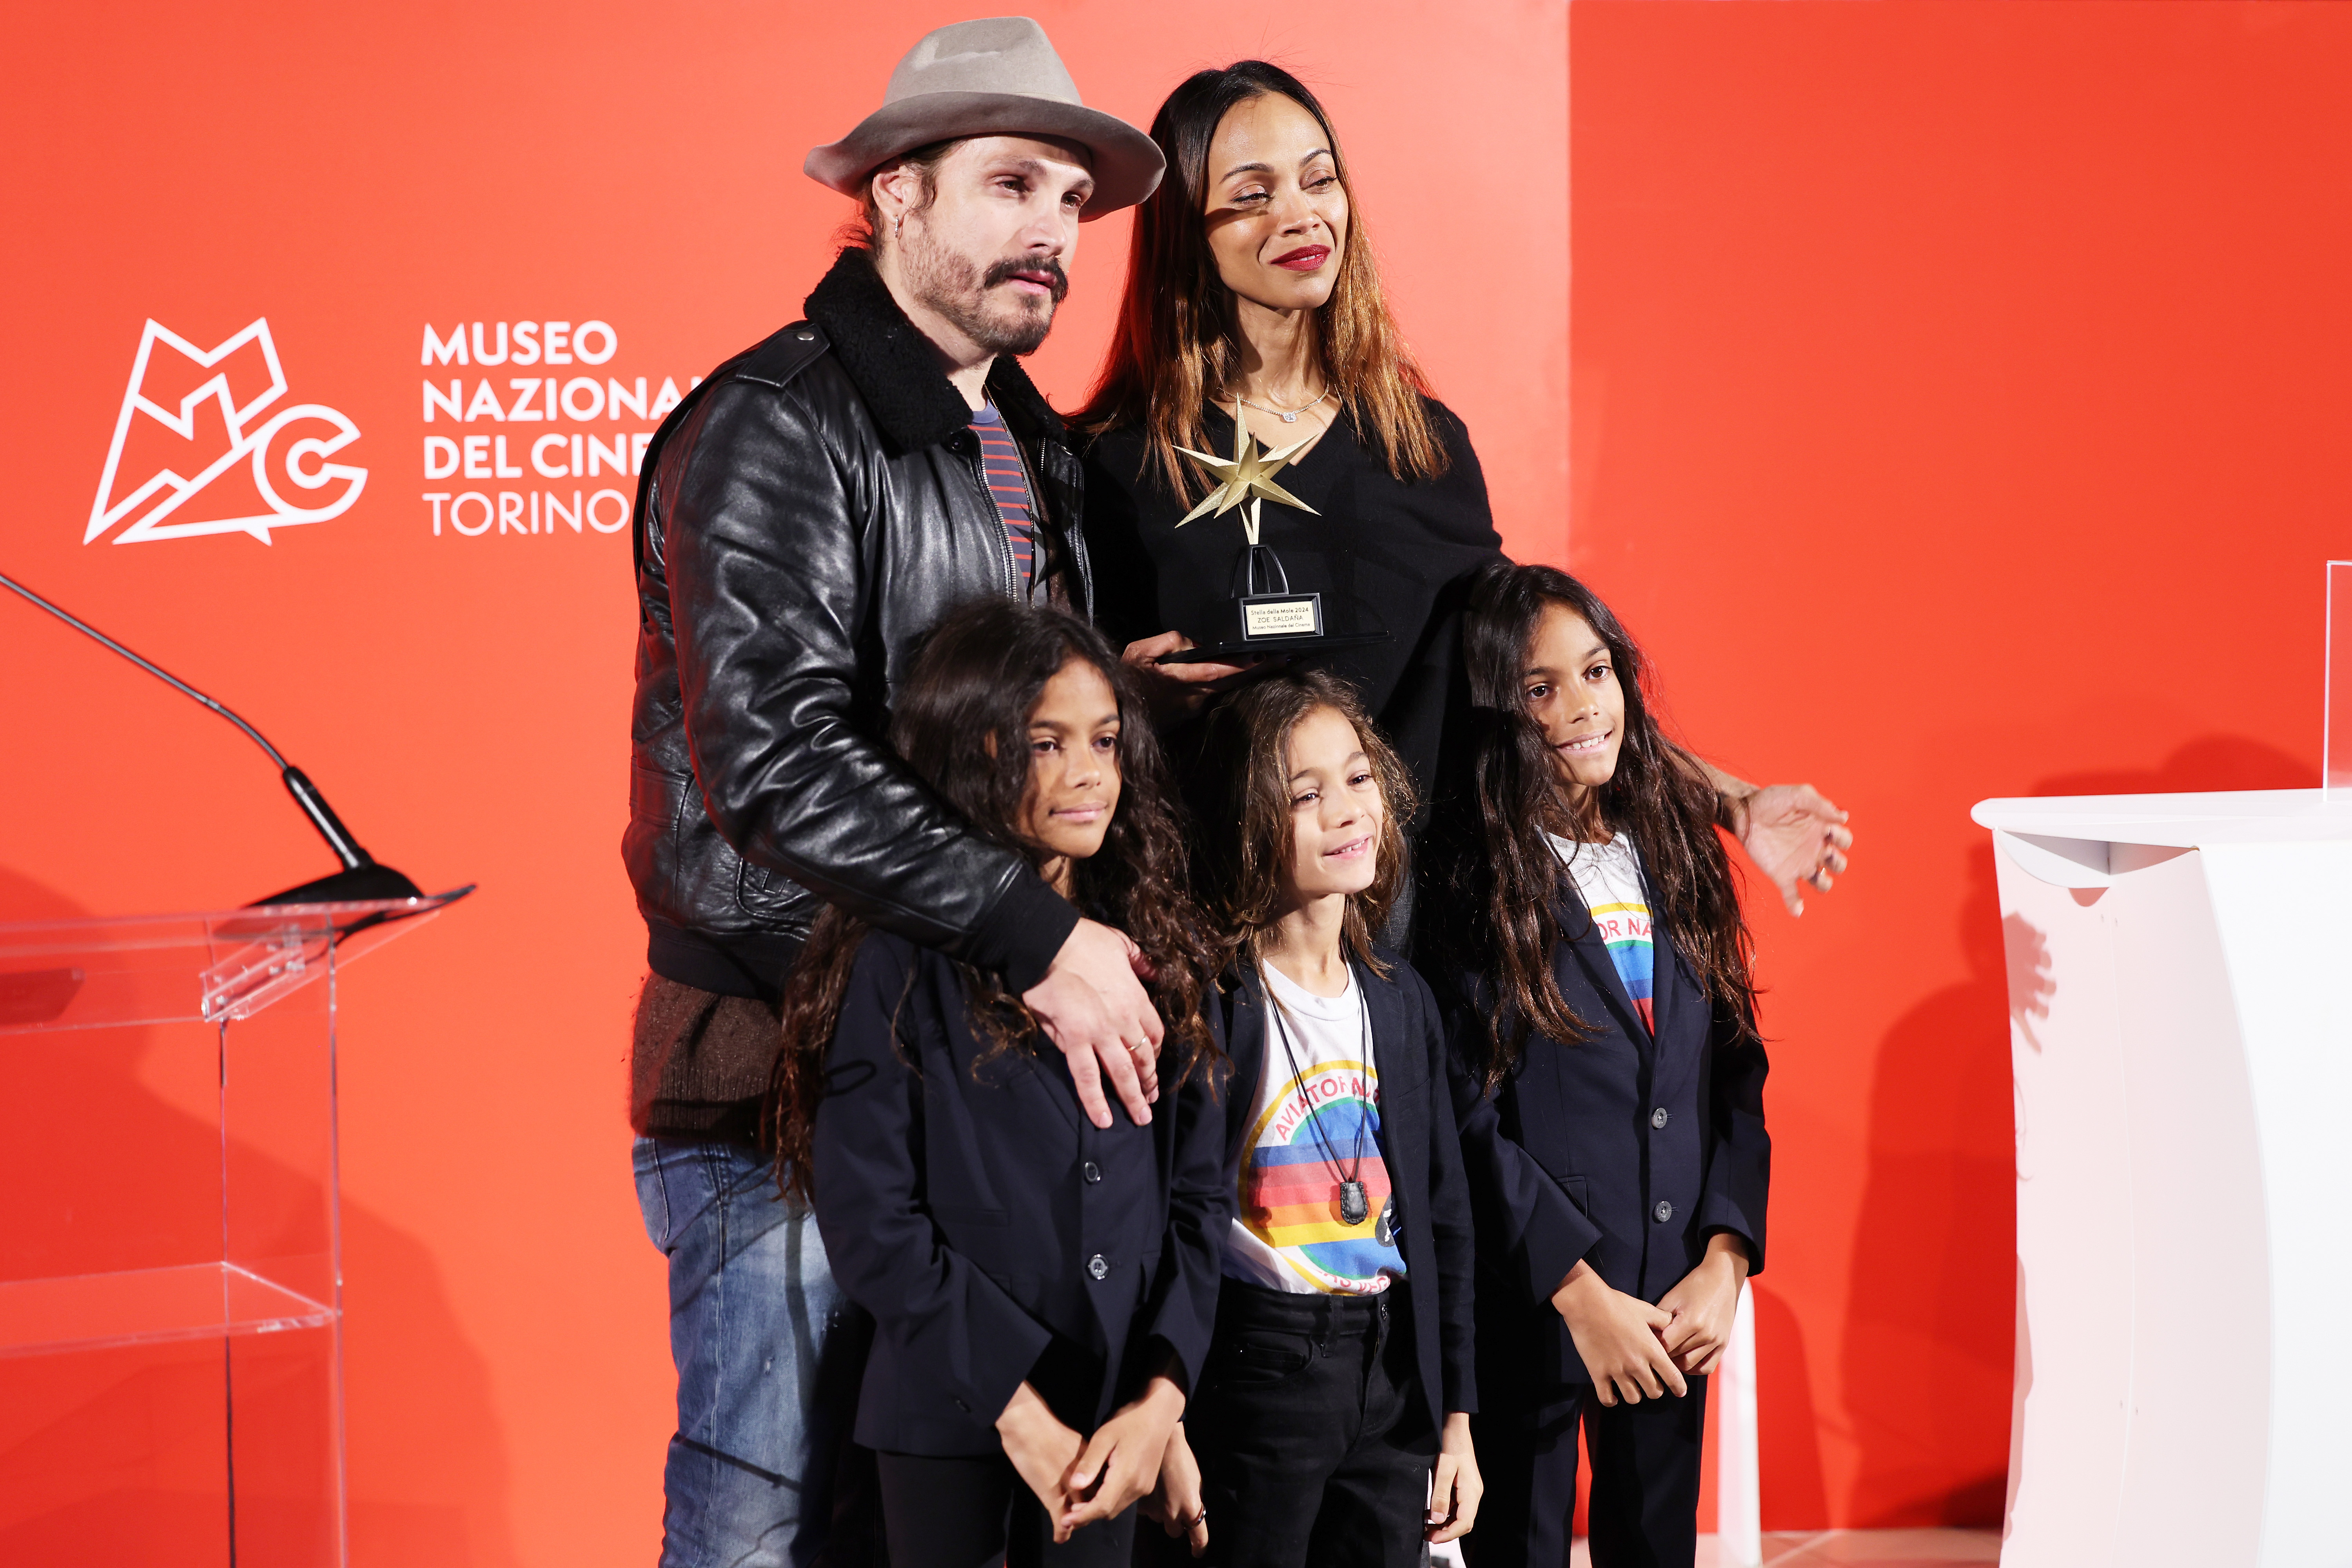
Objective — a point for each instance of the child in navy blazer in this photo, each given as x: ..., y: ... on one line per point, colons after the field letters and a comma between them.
x: 1609, y: 1078
x: 1042, y: 1288
x: 1331, y: 1426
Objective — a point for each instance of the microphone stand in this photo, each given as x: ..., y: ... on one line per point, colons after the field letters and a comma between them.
x: 362, y: 878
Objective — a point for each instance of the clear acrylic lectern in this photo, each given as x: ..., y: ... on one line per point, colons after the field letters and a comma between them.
x: 171, y: 1281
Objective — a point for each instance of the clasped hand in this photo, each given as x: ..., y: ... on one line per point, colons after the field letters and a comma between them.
x: 1702, y: 1305
x: 1175, y: 1504
x: 1081, y: 1480
x: 1634, y: 1351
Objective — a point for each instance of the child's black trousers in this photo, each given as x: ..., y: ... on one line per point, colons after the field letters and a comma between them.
x: 1643, y: 1512
x: 1314, y: 1441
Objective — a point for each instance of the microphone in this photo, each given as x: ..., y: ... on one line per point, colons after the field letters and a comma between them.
x: 362, y: 879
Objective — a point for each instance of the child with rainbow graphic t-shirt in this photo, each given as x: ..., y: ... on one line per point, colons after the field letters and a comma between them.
x: 1330, y: 1425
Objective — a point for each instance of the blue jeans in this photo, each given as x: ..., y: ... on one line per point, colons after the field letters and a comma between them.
x: 769, y: 1355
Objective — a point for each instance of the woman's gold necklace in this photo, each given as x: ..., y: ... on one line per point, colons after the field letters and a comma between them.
x: 1287, y: 416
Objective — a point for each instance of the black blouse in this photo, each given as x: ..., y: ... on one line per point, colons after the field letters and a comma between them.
x: 1385, y: 555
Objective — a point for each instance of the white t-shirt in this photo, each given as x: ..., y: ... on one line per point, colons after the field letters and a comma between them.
x: 1609, y: 878
x: 1315, y: 1121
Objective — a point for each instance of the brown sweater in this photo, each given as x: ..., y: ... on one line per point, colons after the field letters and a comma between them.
x: 700, y: 1062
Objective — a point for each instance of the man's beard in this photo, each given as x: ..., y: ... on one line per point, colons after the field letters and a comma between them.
x: 956, y: 288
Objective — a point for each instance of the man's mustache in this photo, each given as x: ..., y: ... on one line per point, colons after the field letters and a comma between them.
x: 1004, y: 270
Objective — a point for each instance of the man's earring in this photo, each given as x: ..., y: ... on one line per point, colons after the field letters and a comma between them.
x: 897, y: 224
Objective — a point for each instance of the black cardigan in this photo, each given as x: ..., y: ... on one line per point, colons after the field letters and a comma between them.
x: 1424, y: 1160
x: 994, y: 1233
x: 1567, y: 1160
x: 1385, y: 555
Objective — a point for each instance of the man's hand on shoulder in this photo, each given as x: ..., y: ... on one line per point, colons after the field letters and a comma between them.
x: 1094, y: 1007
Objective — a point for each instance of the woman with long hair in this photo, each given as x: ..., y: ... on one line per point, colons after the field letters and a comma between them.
x: 1253, y: 294
x: 1042, y: 1288
x: 1582, y: 911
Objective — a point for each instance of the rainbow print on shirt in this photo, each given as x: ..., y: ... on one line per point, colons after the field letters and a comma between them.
x: 1626, y: 929
x: 1290, y: 1194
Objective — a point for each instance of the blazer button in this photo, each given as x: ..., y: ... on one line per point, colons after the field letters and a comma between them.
x: 1091, y: 1172
x: 1097, y: 1266
x: 1665, y: 1211
x: 1658, y: 1117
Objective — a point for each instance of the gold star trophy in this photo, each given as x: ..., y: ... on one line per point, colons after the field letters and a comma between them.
x: 1271, y: 615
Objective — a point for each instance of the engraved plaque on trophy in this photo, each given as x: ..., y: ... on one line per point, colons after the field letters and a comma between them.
x: 1269, y: 619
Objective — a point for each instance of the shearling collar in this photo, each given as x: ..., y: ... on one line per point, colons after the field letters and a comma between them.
x: 895, y: 371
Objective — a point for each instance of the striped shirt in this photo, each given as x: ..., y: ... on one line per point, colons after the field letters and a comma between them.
x: 1008, y: 487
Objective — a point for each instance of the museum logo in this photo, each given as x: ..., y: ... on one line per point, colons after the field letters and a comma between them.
x: 198, y: 446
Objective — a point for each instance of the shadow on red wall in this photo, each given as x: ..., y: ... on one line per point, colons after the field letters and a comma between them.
x: 1789, y: 1433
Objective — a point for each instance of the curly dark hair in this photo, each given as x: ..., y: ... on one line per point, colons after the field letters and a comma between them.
x: 1491, y: 880
x: 961, y: 720
x: 1239, y: 785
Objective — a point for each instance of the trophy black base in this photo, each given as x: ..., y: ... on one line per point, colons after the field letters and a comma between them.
x: 1275, y: 622
x: 1273, y: 647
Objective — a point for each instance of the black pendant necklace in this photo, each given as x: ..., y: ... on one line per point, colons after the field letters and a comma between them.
x: 1355, y: 1195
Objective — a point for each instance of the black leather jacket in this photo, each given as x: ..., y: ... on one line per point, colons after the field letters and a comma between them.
x: 810, y: 510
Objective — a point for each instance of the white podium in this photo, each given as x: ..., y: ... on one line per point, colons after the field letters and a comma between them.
x: 2181, y: 1036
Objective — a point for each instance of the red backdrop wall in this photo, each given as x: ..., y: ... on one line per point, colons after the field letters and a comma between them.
x: 1959, y: 410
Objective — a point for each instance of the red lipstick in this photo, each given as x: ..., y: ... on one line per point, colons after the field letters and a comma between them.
x: 1306, y: 259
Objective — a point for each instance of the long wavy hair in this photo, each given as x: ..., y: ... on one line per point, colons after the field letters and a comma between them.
x: 1175, y: 351
x: 1240, y: 787
x: 1493, y: 909
x: 961, y: 720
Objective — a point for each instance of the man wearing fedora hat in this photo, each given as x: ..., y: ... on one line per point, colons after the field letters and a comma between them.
x: 809, y: 510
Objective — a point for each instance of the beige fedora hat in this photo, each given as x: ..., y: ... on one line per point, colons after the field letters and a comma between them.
x: 995, y: 77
